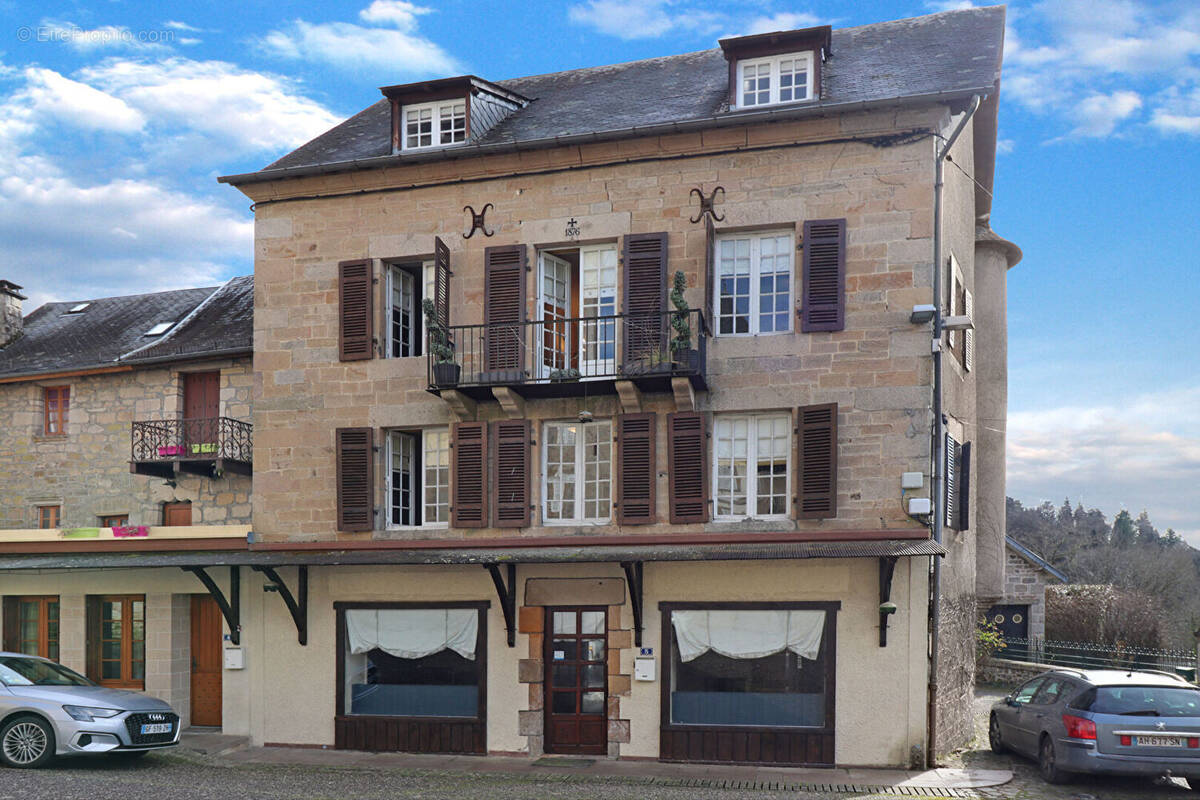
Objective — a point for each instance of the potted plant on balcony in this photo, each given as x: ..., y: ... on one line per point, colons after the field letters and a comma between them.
x: 445, y: 370
x: 564, y: 375
x: 686, y: 357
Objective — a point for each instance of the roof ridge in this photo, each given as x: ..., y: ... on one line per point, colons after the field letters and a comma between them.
x: 51, y: 303
x: 598, y: 67
x: 947, y: 12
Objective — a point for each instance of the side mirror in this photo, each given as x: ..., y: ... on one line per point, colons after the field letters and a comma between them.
x: 1011, y: 701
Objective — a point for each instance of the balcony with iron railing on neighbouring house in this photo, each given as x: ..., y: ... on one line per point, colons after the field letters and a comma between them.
x: 209, y: 446
x: 561, y: 357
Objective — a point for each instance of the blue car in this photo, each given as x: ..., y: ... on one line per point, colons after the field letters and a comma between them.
x: 1102, y: 722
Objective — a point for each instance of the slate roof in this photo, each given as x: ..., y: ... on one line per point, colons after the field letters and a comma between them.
x: 210, y: 320
x: 945, y: 55
x: 1035, y: 559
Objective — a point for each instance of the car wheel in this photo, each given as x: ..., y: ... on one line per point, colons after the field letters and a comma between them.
x: 26, y: 742
x: 994, y: 739
x: 1048, y: 764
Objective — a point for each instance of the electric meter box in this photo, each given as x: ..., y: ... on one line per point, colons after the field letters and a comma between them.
x: 235, y: 658
x: 643, y: 669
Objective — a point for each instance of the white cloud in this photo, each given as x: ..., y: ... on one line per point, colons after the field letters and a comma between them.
x: 1178, y: 112
x: 1005, y: 146
x: 1099, y: 114
x: 244, y: 110
x: 102, y: 37
x: 642, y: 19
x: 1144, y: 453
x: 48, y: 93
x: 397, y: 50
x: 181, y: 26
x: 949, y: 5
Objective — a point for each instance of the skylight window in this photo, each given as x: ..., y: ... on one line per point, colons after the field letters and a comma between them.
x: 159, y: 329
x: 78, y: 308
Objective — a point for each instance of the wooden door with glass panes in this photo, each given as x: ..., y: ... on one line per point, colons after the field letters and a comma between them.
x: 37, y: 626
x: 576, y: 680
x: 119, y: 648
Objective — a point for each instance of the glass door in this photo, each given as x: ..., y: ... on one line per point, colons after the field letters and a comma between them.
x: 576, y: 680
x: 598, y: 307
x: 556, y: 310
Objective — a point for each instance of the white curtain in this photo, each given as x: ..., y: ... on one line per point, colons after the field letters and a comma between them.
x: 748, y: 634
x: 412, y: 632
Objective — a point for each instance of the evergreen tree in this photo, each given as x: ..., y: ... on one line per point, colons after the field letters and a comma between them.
x: 1124, y: 533
x: 1146, y: 532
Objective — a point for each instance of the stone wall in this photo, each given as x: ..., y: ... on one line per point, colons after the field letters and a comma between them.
x: 1025, y: 583
x: 1007, y: 674
x: 955, y: 673
x: 878, y: 370
x: 86, y: 471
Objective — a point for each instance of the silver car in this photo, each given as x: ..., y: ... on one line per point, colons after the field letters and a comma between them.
x: 1107, y: 722
x: 48, y: 710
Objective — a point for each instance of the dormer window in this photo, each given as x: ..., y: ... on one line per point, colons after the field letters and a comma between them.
x: 778, y: 79
x: 435, y: 124
x: 770, y: 69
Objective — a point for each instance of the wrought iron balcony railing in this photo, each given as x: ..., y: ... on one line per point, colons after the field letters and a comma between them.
x: 202, y: 446
x: 553, y: 353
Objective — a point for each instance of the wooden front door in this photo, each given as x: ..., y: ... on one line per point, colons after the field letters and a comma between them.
x: 576, y: 680
x: 201, y: 407
x: 206, y: 661
x: 177, y: 514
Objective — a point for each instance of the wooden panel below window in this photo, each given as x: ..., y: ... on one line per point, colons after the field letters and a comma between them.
x: 409, y: 734
x: 776, y: 746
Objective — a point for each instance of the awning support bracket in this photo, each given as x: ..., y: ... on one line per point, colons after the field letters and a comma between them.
x: 633, y: 574
x: 231, y: 607
x: 296, y: 604
x: 887, y: 568
x: 508, y: 598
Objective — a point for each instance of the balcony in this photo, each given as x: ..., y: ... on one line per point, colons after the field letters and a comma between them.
x: 210, y: 446
x: 561, y: 357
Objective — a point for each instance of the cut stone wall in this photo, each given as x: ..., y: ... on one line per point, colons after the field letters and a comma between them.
x: 956, y: 673
x: 1007, y: 674
x: 86, y: 471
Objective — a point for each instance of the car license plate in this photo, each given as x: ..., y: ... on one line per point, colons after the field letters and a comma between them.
x: 1158, y: 741
x: 162, y: 727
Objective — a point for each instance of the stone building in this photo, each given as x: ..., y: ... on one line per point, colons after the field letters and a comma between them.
x: 1021, y: 611
x: 126, y: 445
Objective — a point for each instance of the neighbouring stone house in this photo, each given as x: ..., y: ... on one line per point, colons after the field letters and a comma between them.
x: 1021, y: 611
x: 572, y: 510
x: 126, y: 446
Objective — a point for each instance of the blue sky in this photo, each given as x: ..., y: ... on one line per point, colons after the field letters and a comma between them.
x: 116, y: 118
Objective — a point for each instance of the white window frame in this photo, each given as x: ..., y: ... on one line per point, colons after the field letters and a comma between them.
x: 752, y: 439
x: 423, y: 287
x: 578, y: 518
x: 964, y: 348
x: 437, y: 110
x: 422, y: 437
x: 755, y: 238
x: 773, y: 62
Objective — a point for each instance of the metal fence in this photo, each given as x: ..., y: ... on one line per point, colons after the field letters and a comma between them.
x: 205, y: 439
x: 1086, y: 655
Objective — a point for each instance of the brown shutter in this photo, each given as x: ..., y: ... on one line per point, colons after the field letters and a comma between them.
x: 356, y: 324
x: 687, y: 467
x: 11, y: 640
x: 710, y: 267
x: 504, y: 302
x: 355, y: 479
x: 468, y: 448
x: 441, y: 281
x: 645, y: 287
x: 91, y: 637
x: 510, y: 488
x: 816, y: 448
x: 635, y: 461
x: 824, y: 275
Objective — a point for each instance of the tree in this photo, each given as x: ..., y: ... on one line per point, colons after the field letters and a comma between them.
x: 1172, y: 538
x: 1146, y: 532
x: 1124, y: 533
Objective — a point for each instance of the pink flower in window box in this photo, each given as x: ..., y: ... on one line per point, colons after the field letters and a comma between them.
x: 170, y: 450
x: 125, y: 531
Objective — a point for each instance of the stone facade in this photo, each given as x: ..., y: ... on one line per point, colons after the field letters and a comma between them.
x: 1025, y: 583
x: 86, y: 471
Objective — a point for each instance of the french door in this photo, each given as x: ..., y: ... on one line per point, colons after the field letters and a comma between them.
x: 557, y: 341
x: 598, y: 307
x: 576, y: 680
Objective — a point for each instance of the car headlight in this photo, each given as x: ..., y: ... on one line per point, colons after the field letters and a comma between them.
x: 89, y: 713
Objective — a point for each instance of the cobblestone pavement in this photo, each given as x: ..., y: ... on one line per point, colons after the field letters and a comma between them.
x: 1027, y: 784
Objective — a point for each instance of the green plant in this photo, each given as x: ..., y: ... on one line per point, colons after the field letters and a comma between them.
x: 568, y: 374
x: 439, y: 337
x: 681, y: 340
x: 988, y: 641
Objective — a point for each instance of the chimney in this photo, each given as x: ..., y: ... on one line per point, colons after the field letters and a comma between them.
x: 11, y: 323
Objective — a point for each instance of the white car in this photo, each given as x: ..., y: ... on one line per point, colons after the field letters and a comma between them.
x: 48, y: 710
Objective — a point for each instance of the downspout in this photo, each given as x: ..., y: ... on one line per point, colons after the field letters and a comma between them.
x: 938, y: 431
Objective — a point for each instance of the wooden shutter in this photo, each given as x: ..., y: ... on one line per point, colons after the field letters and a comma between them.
x: 355, y: 479
x: 969, y: 334
x: 441, y: 281
x: 816, y: 461
x: 504, y: 302
x: 687, y: 466
x: 468, y: 455
x: 964, y: 486
x: 636, y: 466
x: 710, y: 267
x: 645, y: 287
x: 356, y: 324
x: 824, y: 275
x: 91, y: 637
x: 950, y: 513
x: 510, y: 487
x: 11, y: 640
